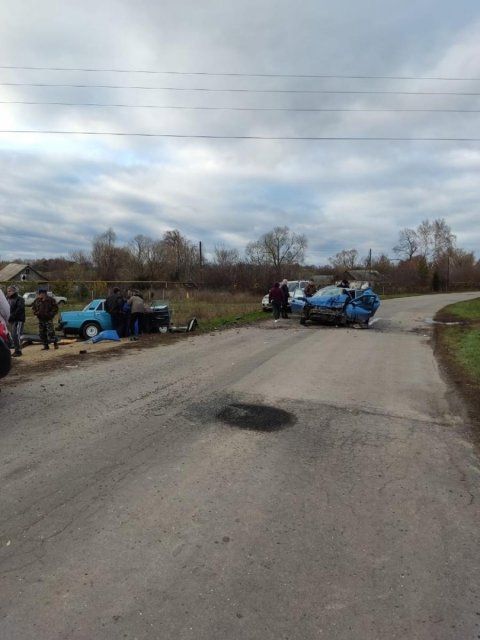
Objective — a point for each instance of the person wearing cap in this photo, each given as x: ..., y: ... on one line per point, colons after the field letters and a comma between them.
x: 45, y: 309
x: 16, y: 318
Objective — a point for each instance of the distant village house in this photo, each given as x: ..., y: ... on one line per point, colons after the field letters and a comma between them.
x: 16, y: 272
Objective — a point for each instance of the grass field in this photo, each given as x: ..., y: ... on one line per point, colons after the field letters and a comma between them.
x: 212, y: 310
x: 461, y: 343
x: 468, y: 310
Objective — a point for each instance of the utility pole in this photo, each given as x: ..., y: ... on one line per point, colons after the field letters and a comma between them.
x: 369, y: 265
x: 200, y: 260
x: 448, y: 272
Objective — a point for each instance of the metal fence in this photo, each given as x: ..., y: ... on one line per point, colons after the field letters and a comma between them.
x: 90, y: 289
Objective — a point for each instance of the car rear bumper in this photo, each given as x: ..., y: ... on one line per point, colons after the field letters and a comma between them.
x: 5, y: 359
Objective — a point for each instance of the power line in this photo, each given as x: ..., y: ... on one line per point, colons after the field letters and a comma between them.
x: 240, y: 75
x: 218, y: 137
x: 187, y: 108
x: 234, y: 90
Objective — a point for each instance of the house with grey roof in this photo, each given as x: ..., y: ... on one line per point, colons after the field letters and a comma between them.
x: 16, y: 272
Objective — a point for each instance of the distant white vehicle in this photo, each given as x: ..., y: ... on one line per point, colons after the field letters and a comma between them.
x: 292, y: 286
x: 31, y: 295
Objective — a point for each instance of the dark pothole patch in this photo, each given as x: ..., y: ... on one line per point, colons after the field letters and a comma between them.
x: 256, y: 417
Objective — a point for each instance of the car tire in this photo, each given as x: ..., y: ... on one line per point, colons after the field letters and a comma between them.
x: 61, y: 302
x: 303, y: 321
x: 90, y: 330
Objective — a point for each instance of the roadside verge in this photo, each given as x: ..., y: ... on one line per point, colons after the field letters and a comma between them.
x: 74, y: 353
x: 457, y: 345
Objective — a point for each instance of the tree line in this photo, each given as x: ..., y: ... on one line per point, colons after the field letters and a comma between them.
x: 426, y: 258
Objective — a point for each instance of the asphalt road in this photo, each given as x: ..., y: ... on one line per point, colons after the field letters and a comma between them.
x: 130, y: 510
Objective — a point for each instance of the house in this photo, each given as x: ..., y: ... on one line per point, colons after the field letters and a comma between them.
x: 363, y: 275
x: 323, y: 280
x: 16, y: 272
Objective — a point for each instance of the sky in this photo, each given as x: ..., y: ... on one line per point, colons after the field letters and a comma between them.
x: 58, y: 191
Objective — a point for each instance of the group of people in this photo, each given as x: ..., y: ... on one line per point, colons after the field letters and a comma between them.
x: 278, y: 298
x: 12, y: 315
x: 127, y: 312
x: 279, y: 294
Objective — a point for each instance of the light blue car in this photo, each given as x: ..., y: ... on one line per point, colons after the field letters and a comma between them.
x: 88, y: 322
x: 337, y: 305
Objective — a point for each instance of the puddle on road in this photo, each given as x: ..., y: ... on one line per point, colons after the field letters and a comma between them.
x: 256, y: 417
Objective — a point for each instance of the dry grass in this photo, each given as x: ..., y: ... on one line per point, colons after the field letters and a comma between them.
x: 208, y: 310
x: 211, y: 308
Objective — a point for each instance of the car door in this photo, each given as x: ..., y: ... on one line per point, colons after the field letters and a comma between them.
x: 103, y: 318
x: 364, y: 307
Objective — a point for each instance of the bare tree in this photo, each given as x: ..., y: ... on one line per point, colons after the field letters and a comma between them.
x: 443, y: 239
x: 278, y: 247
x: 408, y: 244
x: 345, y: 259
x: 435, y: 239
x: 224, y: 257
x: 180, y: 253
x: 106, y: 257
x: 425, y: 238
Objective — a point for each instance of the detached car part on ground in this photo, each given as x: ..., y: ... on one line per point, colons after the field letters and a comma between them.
x: 336, y: 305
x: 93, y: 319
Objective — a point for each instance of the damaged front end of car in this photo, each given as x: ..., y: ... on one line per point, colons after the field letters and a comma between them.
x: 338, y: 306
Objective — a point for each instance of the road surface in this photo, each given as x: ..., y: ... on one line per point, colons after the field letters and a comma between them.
x: 129, y: 509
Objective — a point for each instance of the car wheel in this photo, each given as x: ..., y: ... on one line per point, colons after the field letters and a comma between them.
x: 60, y: 302
x: 303, y: 321
x: 90, y: 330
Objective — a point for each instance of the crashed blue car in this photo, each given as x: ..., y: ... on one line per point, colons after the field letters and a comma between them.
x: 93, y: 319
x: 88, y: 322
x: 337, y: 305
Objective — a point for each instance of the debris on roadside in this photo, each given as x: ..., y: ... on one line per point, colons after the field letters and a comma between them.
x: 191, y: 325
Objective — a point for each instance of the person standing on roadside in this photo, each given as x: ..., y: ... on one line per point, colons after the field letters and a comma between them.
x: 16, y: 319
x: 286, y: 294
x: 137, y: 309
x: 114, y: 306
x: 45, y: 309
x: 275, y: 297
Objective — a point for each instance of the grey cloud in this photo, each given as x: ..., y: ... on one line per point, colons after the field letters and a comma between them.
x: 64, y: 190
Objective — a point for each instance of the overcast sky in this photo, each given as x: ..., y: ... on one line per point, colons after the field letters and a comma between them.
x: 57, y: 192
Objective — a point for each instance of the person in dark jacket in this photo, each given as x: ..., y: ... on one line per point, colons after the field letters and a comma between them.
x: 275, y: 297
x: 45, y: 309
x: 310, y: 289
x: 114, y: 306
x: 16, y: 319
x: 286, y: 294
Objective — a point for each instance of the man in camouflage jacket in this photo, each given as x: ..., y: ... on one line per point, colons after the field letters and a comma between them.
x: 45, y: 308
